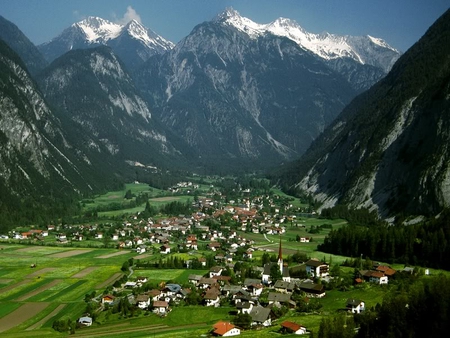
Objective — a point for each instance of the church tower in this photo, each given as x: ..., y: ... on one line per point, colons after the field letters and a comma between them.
x: 280, y: 259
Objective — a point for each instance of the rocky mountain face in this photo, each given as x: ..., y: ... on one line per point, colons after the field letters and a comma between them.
x: 388, y: 150
x: 132, y: 42
x: 241, y: 99
x: 91, y: 88
x: 27, y: 51
x: 34, y: 150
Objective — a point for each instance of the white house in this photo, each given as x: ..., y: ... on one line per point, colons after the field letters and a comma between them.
x: 143, y: 301
x: 355, y: 305
x: 291, y: 327
x: 316, y: 268
x: 225, y: 329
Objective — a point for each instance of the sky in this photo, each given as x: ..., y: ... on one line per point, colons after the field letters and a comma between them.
x: 399, y: 22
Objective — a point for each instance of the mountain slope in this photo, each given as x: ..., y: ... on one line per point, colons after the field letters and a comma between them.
x: 132, y: 42
x: 27, y: 51
x: 388, y: 150
x: 39, y: 168
x: 92, y: 89
x: 241, y: 101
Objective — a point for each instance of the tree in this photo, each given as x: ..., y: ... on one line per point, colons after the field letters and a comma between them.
x: 275, y: 273
x: 243, y: 320
x: 128, y: 195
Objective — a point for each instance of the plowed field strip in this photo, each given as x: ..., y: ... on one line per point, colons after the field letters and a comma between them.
x: 39, y: 290
x: 22, y: 314
x: 46, y: 318
x: 69, y: 253
x: 10, y: 287
x: 40, y: 272
x: 114, y: 254
x: 85, y: 272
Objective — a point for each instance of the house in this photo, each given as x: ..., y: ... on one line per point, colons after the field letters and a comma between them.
x: 141, y: 280
x: 211, y: 297
x: 244, y: 307
x: 261, y: 316
x: 386, y: 270
x: 279, y: 299
x: 194, y: 279
x: 255, y: 289
x: 284, y: 287
x: 355, y: 305
x: 215, y: 271
x: 143, y: 301
x: 291, y: 327
x: 225, y: 329
x: 316, y: 268
x: 86, y: 321
x: 312, y: 289
x: 160, y: 307
x: 154, y: 294
x: 108, y: 299
x: 376, y: 277
x: 164, y: 249
x: 214, y: 246
x: 205, y: 283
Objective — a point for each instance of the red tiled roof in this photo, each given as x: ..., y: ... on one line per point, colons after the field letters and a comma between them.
x: 291, y: 325
x: 221, y: 328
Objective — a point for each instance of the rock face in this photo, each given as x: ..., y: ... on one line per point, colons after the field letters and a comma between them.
x: 91, y: 89
x: 132, y: 42
x: 33, y: 147
x: 241, y: 99
x: 388, y: 150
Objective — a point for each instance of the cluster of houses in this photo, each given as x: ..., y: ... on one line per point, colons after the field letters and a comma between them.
x: 215, y: 288
x: 380, y: 274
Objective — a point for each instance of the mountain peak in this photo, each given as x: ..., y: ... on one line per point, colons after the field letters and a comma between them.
x: 98, y: 30
x: 228, y: 13
x: 232, y: 18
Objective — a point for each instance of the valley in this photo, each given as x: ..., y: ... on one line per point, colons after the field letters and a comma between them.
x: 58, y: 272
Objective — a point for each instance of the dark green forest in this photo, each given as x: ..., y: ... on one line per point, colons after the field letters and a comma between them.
x: 425, y: 243
x: 415, y: 309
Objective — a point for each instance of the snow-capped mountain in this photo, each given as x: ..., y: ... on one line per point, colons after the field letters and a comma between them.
x: 242, y: 101
x: 133, y: 42
x: 363, y: 49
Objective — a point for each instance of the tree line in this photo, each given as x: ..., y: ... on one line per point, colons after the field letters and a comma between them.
x: 425, y: 243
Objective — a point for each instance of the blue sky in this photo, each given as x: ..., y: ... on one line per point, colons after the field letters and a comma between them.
x: 400, y: 22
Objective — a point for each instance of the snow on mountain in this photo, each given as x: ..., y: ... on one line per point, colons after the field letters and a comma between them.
x: 98, y: 30
x: 147, y: 36
x: 325, y: 45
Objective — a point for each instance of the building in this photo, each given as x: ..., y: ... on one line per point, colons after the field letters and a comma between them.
x: 225, y: 329
x: 316, y: 268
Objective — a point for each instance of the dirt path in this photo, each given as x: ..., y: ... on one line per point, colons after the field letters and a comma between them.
x: 69, y: 253
x: 83, y: 273
x: 20, y: 315
x: 46, y: 318
x: 39, y: 290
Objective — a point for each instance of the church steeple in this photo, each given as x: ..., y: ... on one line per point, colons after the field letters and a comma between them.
x: 280, y: 258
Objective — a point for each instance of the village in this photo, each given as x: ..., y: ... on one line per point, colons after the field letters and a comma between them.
x: 259, y: 282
